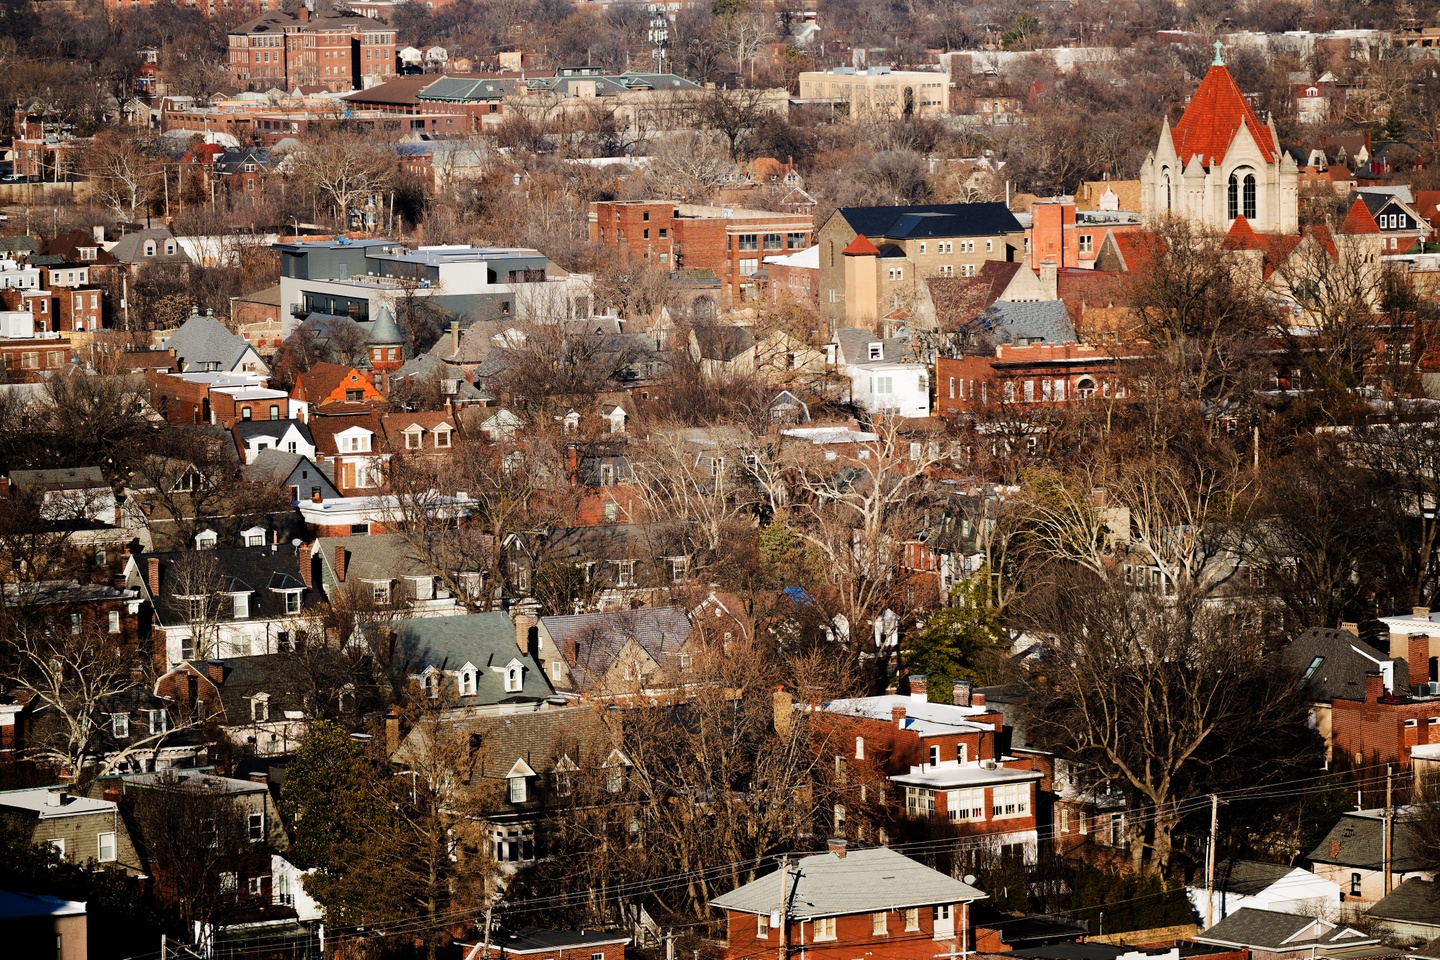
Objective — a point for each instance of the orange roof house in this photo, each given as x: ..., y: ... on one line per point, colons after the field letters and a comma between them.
x: 326, y: 383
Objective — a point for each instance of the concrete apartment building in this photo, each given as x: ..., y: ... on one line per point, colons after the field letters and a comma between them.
x: 355, y: 278
x: 338, y: 51
x: 877, y: 93
x: 730, y: 241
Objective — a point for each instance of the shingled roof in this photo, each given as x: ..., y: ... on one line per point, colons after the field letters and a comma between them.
x: 932, y: 220
x: 1271, y: 930
x: 1213, y: 118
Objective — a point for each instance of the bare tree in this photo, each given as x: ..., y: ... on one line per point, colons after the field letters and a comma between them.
x: 343, y: 169
x: 122, y: 172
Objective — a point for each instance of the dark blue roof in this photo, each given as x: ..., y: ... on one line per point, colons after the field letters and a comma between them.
x: 936, y: 220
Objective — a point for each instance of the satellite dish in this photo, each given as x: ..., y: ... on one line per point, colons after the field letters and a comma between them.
x: 970, y: 878
x: 297, y: 543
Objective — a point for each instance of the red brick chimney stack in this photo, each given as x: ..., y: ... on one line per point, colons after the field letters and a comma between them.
x: 152, y: 575
x: 340, y: 562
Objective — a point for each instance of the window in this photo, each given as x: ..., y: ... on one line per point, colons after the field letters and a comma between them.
x: 442, y: 438
x: 884, y: 385
x: 922, y: 247
x: 919, y: 802
x: 762, y: 925
x: 380, y: 592
x: 1240, y: 195
x: 1011, y: 800
x: 517, y: 789
x: 120, y: 725
x: 59, y: 844
x: 241, y: 605
x: 274, y: 411
x: 960, y: 753
x: 825, y: 928
x: 748, y: 241
x: 748, y: 266
x: 244, y: 413
x: 256, y: 827
x: 354, y: 396
x: 512, y: 844
x: 934, y: 756
x: 1087, y: 243
x: 105, y: 850
x: 615, y: 779
x: 677, y: 569
x: 877, y: 923
x: 159, y: 721
x: 467, y: 683
x: 514, y: 678
x: 912, y: 918
x: 941, y: 912
x: 859, y: 748
x: 256, y: 886
x: 114, y: 618
x: 229, y: 881
x: 625, y: 573
x: 292, y: 601
x: 966, y: 804
x: 774, y: 241
x: 414, y: 440
x: 795, y: 241
x: 1355, y: 883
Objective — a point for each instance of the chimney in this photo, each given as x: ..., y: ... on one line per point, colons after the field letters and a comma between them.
x: 1419, y: 654
x: 784, y: 709
x: 897, y: 716
x: 307, y: 569
x: 1374, y: 687
x: 454, y: 336
x: 97, y: 234
x: 1351, y: 628
x: 316, y: 496
x: 962, y: 693
x: 152, y: 575
x: 1050, y: 279
x: 977, y: 699
x: 392, y: 732
x: 1420, y: 613
x: 836, y: 845
x: 917, y: 687
x: 215, y: 670
x: 4, y: 486
x: 1098, y: 497
x: 303, y: 14
x: 340, y: 562
x: 524, y: 623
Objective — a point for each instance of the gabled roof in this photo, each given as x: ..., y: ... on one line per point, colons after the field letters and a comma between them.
x: 528, y: 940
x: 1413, y: 901
x: 324, y: 425
x: 1356, y: 841
x: 58, y: 478
x: 204, y: 341
x: 1044, y: 320
x: 282, y: 679
x: 933, y: 220
x: 723, y: 342
x: 1213, y: 118
x: 861, y: 881
x: 323, y: 379
x: 1249, y: 877
x: 379, y: 556
x: 1272, y: 930
x: 484, y: 640
x: 659, y: 631
x: 268, y: 573
x: 250, y: 429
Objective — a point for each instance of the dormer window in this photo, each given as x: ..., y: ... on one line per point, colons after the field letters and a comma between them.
x: 241, y: 603
x: 467, y: 680
x: 414, y: 439
x: 169, y: 248
x: 517, y: 789
x: 380, y: 591
x: 877, y: 351
x: 260, y: 708
x: 149, y: 248
x: 206, y: 540
x: 514, y: 678
x: 442, y: 437
x: 120, y: 725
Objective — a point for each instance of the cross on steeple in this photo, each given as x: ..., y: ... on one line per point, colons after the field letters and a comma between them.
x: 1219, y: 60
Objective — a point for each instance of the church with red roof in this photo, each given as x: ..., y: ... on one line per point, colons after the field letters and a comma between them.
x: 1221, y: 163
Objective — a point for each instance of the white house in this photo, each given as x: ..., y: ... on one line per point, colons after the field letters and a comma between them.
x: 884, y: 375
x: 1263, y: 886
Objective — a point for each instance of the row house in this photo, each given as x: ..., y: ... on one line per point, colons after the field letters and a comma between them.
x: 254, y: 437
x: 222, y: 602
x: 478, y: 661
x: 81, y: 830
x: 340, y: 51
x: 351, y: 439
x: 1353, y: 854
x: 383, y: 570
x: 947, y: 761
x: 729, y: 241
x: 222, y: 399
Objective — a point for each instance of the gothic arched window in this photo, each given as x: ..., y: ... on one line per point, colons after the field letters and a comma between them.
x: 1240, y: 197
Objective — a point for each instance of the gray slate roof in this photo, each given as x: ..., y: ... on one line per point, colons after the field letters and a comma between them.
x: 384, y: 330
x: 1413, y: 901
x: 486, y: 640
x: 862, y: 881
x: 661, y: 631
x: 1269, y: 929
x: 131, y: 247
x: 1046, y: 320
x: 58, y: 478
x: 1249, y: 877
x: 205, y: 340
x: 379, y: 556
x: 1340, y: 672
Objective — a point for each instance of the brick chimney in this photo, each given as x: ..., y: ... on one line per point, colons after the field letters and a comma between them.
x: 1419, y: 654
x: 977, y: 699
x: 392, y: 732
x: 303, y: 14
x: 572, y: 651
x: 215, y: 670
x: 454, y: 336
x: 897, y: 716
x: 340, y: 562
x: 961, y: 693
x: 1374, y: 687
x: 523, y: 624
x: 1351, y: 628
x: 783, y: 706
x: 836, y: 845
x: 917, y: 687
x: 152, y: 575
x: 307, y: 569
x: 572, y: 463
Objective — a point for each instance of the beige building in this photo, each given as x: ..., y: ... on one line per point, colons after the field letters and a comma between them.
x: 874, y: 261
x: 878, y: 93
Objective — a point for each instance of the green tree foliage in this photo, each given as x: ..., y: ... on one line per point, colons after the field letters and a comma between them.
x: 1389, y: 128
x: 959, y: 641
x: 1022, y: 31
x: 329, y: 799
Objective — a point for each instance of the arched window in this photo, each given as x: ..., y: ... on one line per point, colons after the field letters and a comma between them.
x: 1169, y: 200
x: 1240, y: 196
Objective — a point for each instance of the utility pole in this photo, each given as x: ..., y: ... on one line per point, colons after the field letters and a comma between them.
x: 784, y: 877
x: 1210, y: 864
x: 1388, y: 825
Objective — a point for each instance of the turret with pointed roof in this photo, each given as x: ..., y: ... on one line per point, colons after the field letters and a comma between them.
x: 385, y: 346
x: 1220, y: 163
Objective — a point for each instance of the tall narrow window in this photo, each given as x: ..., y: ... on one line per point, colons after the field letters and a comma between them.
x: 1249, y: 196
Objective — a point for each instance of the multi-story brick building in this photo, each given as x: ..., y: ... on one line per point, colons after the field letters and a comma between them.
x: 730, y: 241
x: 1048, y: 374
x: 335, y: 50
x: 217, y: 398
x: 1384, y: 726
x: 206, y: 8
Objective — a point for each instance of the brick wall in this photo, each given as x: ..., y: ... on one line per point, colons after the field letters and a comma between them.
x: 854, y: 936
x: 1381, y: 729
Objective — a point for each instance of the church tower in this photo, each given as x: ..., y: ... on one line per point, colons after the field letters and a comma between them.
x: 1220, y: 163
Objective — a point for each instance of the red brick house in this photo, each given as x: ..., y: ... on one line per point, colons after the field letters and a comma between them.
x: 351, y: 436
x: 842, y: 904
x: 1383, y: 727
x: 1049, y: 374
x: 941, y: 760
x: 340, y: 51
x: 729, y: 241
x: 216, y: 398
x: 29, y: 359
